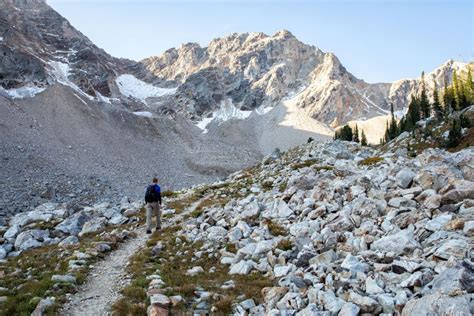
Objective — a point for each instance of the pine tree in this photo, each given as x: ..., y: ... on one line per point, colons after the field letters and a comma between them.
x: 425, y: 105
x: 455, y: 134
x: 363, y: 139
x: 392, y: 129
x: 356, y: 134
x: 438, y: 111
x: 468, y: 88
x: 448, y: 100
x: 413, y: 113
x: 456, y: 91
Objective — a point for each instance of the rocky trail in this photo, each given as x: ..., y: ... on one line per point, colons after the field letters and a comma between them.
x: 109, y: 277
x: 105, y: 281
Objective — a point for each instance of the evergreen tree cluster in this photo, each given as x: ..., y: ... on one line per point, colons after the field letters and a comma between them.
x: 457, y: 96
x: 351, y: 135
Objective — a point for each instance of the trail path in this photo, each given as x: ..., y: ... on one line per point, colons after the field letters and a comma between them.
x: 108, y: 277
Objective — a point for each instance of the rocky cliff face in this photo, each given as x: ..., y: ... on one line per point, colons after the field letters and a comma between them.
x: 39, y: 46
x: 254, y: 69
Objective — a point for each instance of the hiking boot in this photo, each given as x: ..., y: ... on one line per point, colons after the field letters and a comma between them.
x: 148, y: 231
x: 158, y: 228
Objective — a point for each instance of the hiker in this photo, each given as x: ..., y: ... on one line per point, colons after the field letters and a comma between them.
x: 153, y: 205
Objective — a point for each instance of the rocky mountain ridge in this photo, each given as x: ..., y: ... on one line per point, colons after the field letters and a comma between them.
x: 254, y: 69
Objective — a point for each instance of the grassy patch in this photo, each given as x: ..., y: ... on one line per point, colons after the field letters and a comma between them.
x: 285, y: 244
x: 173, y: 262
x: 370, y: 161
x: 304, y: 164
x: 321, y: 168
x: 28, y: 276
x: 276, y: 229
x: 168, y: 194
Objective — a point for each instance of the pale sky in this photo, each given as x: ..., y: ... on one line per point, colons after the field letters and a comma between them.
x: 376, y: 40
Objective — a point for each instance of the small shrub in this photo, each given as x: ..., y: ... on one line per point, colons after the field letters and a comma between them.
x: 283, y: 186
x: 306, y: 163
x: 224, y: 306
x: 276, y: 229
x: 285, y: 245
x: 370, y: 161
x: 168, y: 193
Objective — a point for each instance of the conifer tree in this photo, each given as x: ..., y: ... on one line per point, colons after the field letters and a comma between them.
x: 457, y: 101
x: 469, y: 87
x: 455, y: 134
x: 356, y: 134
x: 448, y: 100
x: 425, y: 105
x: 363, y: 139
x: 438, y: 111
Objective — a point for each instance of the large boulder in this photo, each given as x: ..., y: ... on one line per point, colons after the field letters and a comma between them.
x: 73, y: 224
x: 438, y: 304
x: 31, y: 239
x: 404, y: 178
x: 400, y: 243
x: 279, y: 209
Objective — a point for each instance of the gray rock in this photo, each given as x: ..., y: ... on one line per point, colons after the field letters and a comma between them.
x: 349, y: 309
x: 452, y: 247
x: 247, y: 304
x: 450, y: 280
x: 438, y: 304
x: 31, y: 239
x: 469, y: 228
x: 93, y: 225
x: 404, y: 178
x: 242, y: 267
x: 69, y: 241
x: 399, y: 243
x: 43, y: 306
x: 73, y: 224
x: 353, y: 264
x: 63, y: 278
x: 216, y: 233
x: 324, y: 258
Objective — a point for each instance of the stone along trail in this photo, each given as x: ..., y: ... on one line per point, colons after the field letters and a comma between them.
x: 109, y: 277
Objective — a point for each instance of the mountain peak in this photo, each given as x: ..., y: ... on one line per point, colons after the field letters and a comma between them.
x: 284, y: 34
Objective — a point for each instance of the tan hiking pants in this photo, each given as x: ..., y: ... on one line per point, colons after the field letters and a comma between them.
x: 153, y: 208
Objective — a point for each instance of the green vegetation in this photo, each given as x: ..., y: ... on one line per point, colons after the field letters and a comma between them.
x: 456, y: 97
x: 28, y: 276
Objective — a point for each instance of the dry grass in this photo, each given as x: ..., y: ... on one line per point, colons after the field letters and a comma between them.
x: 304, y: 164
x: 173, y: 269
x: 276, y: 229
x: 370, y: 161
x: 285, y: 244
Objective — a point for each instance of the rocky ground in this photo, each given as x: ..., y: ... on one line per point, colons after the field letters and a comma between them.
x: 326, y: 228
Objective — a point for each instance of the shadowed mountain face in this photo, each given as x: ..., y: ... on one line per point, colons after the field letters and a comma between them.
x: 36, y: 41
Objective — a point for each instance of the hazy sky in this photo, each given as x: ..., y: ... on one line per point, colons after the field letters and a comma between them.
x: 376, y: 40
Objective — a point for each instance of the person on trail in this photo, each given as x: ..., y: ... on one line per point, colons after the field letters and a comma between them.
x: 153, y: 205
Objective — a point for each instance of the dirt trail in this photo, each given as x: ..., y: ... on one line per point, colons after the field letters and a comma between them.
x: 108, y: 277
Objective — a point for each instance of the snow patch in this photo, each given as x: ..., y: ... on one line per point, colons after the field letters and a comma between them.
x: 226, y: 112
x: 144, y: 114
x: 23, y: 92
x: 60, y: 72
x: 130, y: 86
